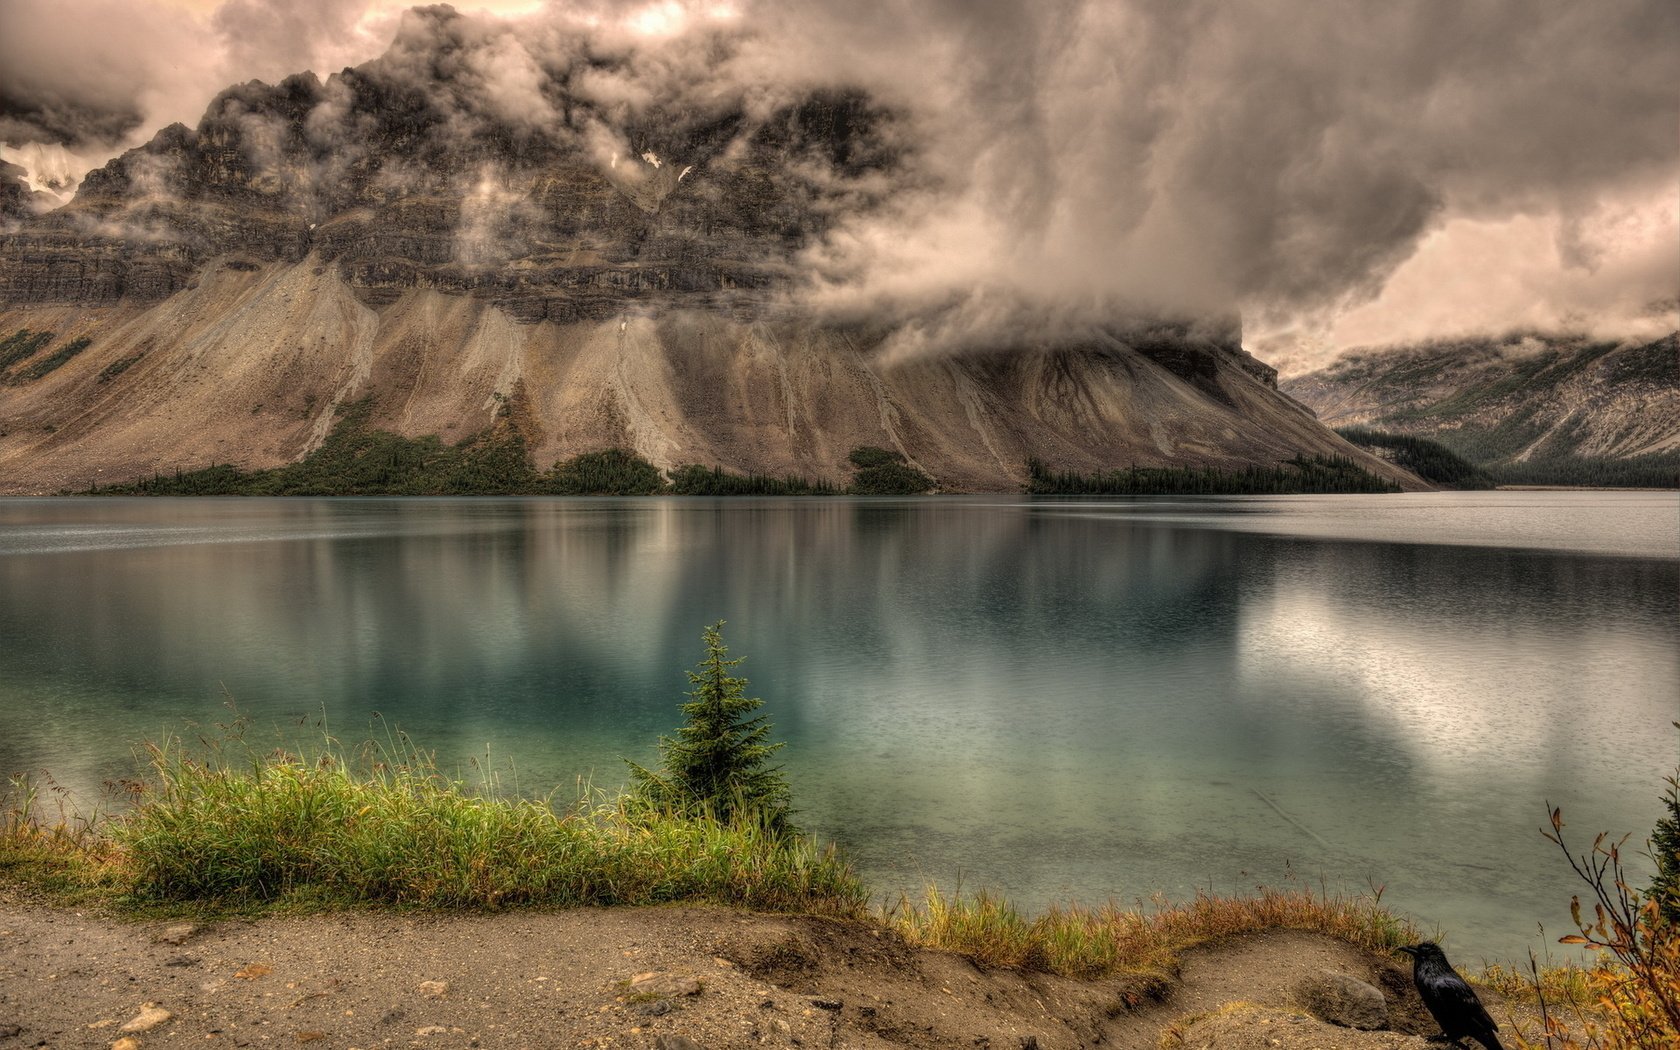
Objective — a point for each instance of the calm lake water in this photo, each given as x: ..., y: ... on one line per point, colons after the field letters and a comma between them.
x: 1059, y: 699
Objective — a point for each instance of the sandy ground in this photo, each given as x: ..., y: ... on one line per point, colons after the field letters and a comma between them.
x: 577, y: 979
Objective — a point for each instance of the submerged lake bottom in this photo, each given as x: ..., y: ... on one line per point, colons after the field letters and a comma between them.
x: 1054, y: 699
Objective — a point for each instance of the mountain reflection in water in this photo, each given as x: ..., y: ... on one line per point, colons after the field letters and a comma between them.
x: 1054, y: 698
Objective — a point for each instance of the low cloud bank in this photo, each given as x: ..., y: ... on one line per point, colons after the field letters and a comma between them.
x: 1338, y: 173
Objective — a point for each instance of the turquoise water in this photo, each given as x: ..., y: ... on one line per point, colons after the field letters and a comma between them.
x: 1086, y: 699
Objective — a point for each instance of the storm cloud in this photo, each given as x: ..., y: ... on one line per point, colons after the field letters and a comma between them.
x: 1062, y: 163
x: 1285, y: 157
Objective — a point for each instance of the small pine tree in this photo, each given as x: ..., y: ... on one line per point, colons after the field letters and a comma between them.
x: 716, y: 764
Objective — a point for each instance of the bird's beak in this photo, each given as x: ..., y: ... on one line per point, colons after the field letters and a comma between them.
x: 1408, y: 949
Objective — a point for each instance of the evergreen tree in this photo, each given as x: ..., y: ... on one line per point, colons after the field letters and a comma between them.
x: 716, y: 763
x: 1665, y: 850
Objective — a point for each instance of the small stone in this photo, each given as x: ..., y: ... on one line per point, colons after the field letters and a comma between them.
x: 432, y: 1029
x: 657, y: 1008
x: 676, y: 1042
x: 177, y: 934
x: 434, y: 989
x: 253, y: 971
x: 663, y: 984
x: 9, y: 1031
x: 182, y: 960
x: 827, y: 1004
x: 150, y: 1016
x: 127, y: 1042
x: 1342, y: 999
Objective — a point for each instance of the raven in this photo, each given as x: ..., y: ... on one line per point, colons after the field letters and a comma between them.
x: 1451, y: 1002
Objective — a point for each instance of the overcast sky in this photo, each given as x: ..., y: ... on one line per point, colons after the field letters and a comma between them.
x: 1351, y: 173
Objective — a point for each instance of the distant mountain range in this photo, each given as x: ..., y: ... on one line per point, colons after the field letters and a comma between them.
x: 395, y: 238
x: 1526, y: 408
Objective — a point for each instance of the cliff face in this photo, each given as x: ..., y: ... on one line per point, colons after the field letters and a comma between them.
x: 619, y: 276
x: 1518, y: 400
x: 399, y: 184
x: 15, y: 197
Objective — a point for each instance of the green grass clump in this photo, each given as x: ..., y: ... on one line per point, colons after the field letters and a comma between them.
x: 1317, y: 474
x: 231, y: 828
x: 332, y: 830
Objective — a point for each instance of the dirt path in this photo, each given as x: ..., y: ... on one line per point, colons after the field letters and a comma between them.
x: 727, y: 979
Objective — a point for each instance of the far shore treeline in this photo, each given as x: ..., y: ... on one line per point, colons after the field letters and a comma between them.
x: 359, y: 460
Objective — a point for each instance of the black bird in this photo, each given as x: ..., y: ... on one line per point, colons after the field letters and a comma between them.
x: 1451, y: 1002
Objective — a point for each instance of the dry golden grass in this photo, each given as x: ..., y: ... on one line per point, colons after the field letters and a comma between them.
x: 1083, y: 942
x: 62, y: 854
x: 1557, y: 983
x: 1630, y: 1000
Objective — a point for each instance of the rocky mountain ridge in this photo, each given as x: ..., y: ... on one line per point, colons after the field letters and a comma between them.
x: 360, y: 172
x: 626, y: 276
x: 1529, y: 405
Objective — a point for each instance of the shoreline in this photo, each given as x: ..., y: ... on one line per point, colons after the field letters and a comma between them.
x: 636, y: 977
x: 104, y: 495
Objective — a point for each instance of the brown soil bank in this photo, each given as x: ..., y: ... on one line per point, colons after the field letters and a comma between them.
x: 580, y: 979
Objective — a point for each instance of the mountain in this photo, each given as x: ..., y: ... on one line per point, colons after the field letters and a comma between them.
x: 1528, y: 408
x: 596, y: 273
x: 17, y: 200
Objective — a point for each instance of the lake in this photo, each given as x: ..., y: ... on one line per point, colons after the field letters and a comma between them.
x: 1057, y: 699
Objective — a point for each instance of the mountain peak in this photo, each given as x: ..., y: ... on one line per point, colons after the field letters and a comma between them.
x: 407, y: 170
